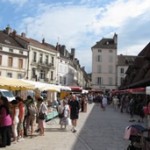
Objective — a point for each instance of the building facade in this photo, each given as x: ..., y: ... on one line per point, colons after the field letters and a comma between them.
x: 13, y: 56
x: 104, y: 64
x: 27, y: 58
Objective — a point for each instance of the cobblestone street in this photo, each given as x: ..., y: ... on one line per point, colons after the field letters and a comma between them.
x: 97, y: 130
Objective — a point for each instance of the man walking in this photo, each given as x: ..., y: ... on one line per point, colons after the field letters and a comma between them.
x: 74, y: 112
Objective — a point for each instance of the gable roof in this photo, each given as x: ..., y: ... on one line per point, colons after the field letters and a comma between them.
x: 105, y: 43
x: 125, y: 60
x: 36, y: 43
x: 6, y: 39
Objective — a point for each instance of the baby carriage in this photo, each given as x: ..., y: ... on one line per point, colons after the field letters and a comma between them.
x: 138, y: 138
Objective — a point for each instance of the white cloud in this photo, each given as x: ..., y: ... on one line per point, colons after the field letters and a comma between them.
x: 117, y: 13
x: 81, y: 26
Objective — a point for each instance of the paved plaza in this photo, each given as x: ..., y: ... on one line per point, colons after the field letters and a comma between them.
x: 97, y: 130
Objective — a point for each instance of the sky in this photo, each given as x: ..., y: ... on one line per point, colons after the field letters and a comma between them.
x: 80, y: 24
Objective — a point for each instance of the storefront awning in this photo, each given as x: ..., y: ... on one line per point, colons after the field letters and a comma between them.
x: 14, y: 84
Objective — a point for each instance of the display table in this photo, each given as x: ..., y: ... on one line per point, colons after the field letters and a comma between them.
x: 51, y: 114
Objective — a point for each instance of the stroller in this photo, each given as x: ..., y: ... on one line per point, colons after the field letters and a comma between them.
x: 138, y: 138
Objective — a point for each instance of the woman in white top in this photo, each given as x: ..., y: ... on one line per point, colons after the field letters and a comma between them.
x: 66, y: 115
x: 15, y: 118
x: 42, y: 109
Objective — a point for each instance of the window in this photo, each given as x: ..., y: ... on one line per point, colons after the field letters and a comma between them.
x: 33, y: 73
x: 121, y: 80
x: 0, y: 59
x: 110, y: 69
x: 99, y: 81
x: 110, y: 81
x: 20, y: 64
x: 121, y: 70
x: 0, y: 73
x: 64, y: 80
x: 1, y: 48
x: 10, y: 61
x: 9, y: 75
x: 60, y: 80
x: 52, y: 75
x: 46, y: 60
x: 99, y: 69
x: 110, y: 59
x: 42, y: 74
x: 11, y: 50
x: 41, y: 58
x: 99, y: 50
x: 19, y: 76
x: 99, y: 58
x: 34, y: 56
x: 52, y: 61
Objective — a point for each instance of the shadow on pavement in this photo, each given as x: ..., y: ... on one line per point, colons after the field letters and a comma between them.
x: 102, y: 130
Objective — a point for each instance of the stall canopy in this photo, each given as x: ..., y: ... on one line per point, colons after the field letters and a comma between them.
x: 43, y: 86
x: 140, y: 90
x: 64, y: 88
x: 14, y: 84
x: 76, y: 88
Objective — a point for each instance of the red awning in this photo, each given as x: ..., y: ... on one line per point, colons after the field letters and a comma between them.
x: 140, y: 90
x: 76, y: 88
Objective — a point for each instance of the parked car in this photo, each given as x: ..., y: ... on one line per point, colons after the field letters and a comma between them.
x: 7, y: 94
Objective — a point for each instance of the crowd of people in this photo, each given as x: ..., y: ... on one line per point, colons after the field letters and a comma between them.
x: 18, y: 119
x: 21, y: 118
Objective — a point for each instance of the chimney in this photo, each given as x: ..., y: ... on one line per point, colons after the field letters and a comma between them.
x: 14, y: 33
x: 115, y: 38
x: 23, y: 34
x: 73, y: 52
x: 8, y: 30
x: 43, y: 40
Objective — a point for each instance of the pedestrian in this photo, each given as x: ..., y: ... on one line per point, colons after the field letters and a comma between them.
x: 131, y: 109
x: 65, y: 115
x: 32, y: 117
x: 5, y: 122
x: 15, y: 118
x: 21, y: 106
x: 42, y: 110
x: 74, y: 112
x: 115, y: 102
x: 104, y: 102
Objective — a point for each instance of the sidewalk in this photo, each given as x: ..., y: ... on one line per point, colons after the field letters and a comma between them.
x: 96, y: 130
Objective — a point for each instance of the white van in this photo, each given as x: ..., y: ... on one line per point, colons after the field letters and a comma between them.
x: 7, y: 94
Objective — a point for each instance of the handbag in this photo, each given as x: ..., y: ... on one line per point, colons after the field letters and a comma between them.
x: 42, y: 116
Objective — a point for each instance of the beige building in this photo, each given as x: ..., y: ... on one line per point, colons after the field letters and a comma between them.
x: 27, y: 58
x: 104, y: 63
x: 42, y: 59
x: 13, y: 57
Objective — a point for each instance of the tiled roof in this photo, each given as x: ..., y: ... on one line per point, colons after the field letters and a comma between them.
x: 105, y: 43
x: 125, y: 60
x: 8, y: 40
x: 36, y: 43
x: 140, y: 71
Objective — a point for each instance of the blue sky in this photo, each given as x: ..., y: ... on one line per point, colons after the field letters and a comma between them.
x: 80, y: 24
